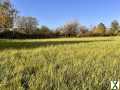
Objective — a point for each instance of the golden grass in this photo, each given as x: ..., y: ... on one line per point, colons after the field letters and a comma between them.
x: 59, y: 64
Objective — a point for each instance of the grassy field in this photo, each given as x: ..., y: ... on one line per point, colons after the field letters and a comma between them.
x: 59, y: 64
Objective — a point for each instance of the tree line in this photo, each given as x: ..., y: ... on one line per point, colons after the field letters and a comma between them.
x: 14, y: 26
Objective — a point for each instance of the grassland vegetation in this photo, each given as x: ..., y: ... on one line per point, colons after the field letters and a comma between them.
x: 59, y: 64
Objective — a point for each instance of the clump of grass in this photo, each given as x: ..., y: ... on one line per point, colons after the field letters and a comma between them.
x: 6, y: 73
x: 26, y: 75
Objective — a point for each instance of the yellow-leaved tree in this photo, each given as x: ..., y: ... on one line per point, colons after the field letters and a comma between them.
x: 6, y: 14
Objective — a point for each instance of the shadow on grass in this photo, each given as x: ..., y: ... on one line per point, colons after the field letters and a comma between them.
x: 16, y: 44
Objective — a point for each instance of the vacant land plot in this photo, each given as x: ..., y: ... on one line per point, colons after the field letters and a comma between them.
x: 59, y: 64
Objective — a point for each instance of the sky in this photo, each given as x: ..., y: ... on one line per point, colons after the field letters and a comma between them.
x: 54, y: 13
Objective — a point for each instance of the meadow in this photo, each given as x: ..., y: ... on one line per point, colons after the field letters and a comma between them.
x: 59, y: 64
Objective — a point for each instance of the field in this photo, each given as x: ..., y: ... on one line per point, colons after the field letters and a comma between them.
x: 59, y: 64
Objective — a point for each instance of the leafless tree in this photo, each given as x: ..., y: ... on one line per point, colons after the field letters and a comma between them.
x: 27, y: 24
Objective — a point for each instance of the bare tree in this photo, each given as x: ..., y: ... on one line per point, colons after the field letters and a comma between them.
x: 71, y: 28
x: 27, y: 24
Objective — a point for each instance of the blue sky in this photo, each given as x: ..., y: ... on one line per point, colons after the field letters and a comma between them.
x: 54, y: 13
